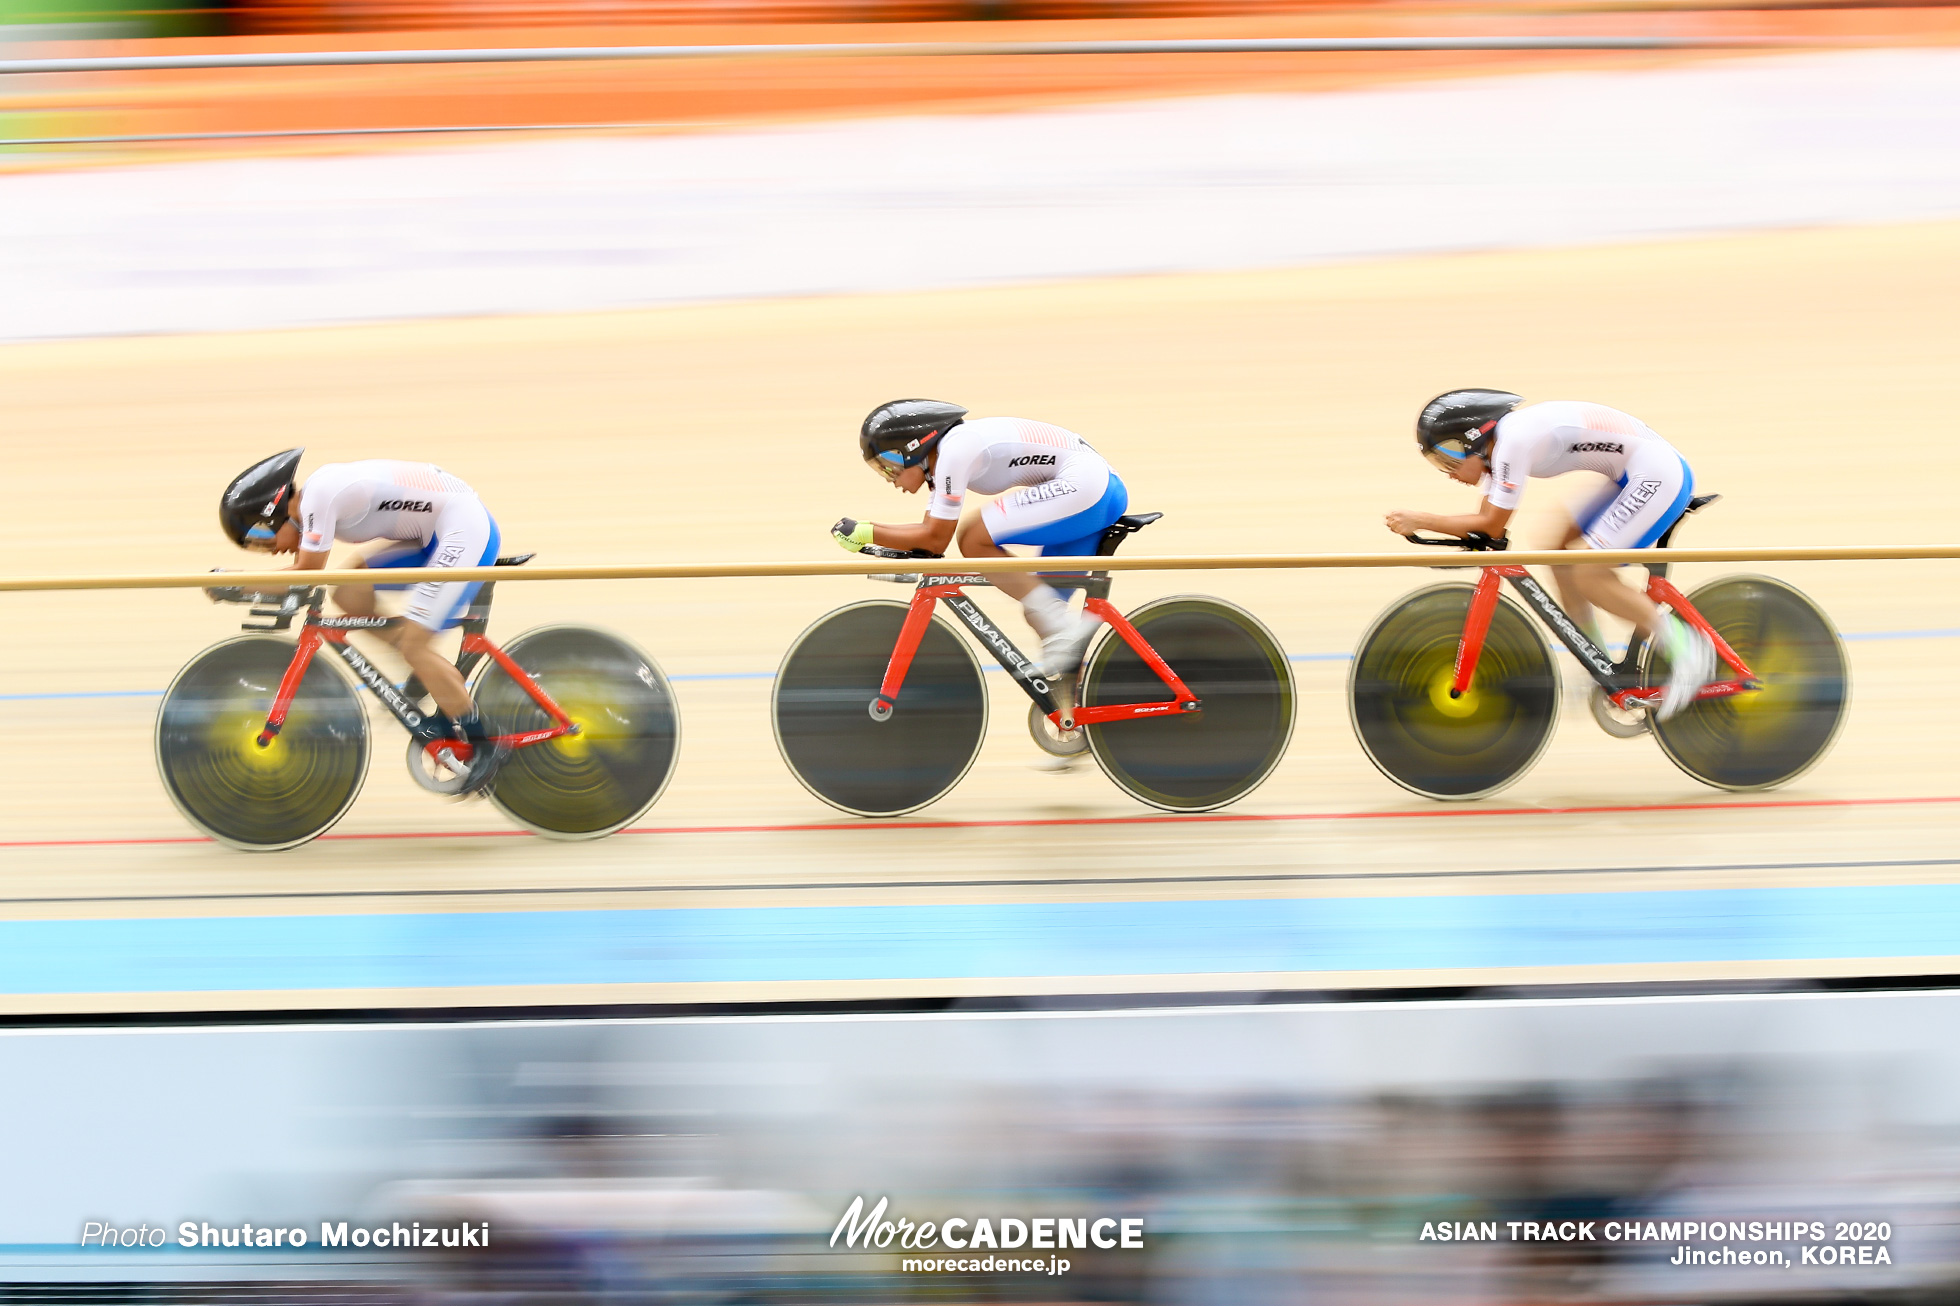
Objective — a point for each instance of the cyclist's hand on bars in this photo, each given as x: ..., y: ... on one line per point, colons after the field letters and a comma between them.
x: 221, y: 593
x: 851, y: 536
x: 1404, y: 522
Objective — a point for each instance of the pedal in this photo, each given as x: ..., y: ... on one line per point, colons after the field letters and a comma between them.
x: 420, y: 762
x: 1063, y: 692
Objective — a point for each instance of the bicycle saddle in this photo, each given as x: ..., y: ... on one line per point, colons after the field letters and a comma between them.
x: 1121, y: 529
x: 1700, y: 501
x: 515, y: 560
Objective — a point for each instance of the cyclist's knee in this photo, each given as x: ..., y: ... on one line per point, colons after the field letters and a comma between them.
x: 410, y: 637
x: 975, y: 538
x: 355, y: 600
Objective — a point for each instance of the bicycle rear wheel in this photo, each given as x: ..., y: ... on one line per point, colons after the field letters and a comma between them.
x: 824, y: 728
x: 1760, y: 739
x: 587, y: 785
x: 1197, y: 761
x: 251, y: 798
x: 1426, y: 741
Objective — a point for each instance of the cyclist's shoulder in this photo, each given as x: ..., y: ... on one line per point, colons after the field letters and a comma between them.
x: 1545, y: 415
x: 1575, y: 414
x: 364, y: 469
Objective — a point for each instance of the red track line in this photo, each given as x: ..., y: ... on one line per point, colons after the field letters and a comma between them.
x: 1141, y: 819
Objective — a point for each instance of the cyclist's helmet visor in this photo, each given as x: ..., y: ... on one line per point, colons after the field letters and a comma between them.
x: 887, y: 464
x: 1448, y: 454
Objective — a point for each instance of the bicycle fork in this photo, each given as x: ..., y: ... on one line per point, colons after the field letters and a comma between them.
x: 1026, y: 674
x: 1616, y: 679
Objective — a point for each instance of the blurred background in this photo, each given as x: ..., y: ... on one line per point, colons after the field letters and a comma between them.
x: 1274, y: 1153
x: 641, y: 304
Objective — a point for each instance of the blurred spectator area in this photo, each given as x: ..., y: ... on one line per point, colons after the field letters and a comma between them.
x: 758, y: 90
x: 57, y: 19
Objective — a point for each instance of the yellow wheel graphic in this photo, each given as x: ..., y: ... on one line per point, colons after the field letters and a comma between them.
x: 248, y: 797
x: 1760, y: 738
x: 1443, y: 747
x: 592, y: 783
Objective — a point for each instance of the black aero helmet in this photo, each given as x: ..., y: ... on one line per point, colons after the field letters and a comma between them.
x: 251, y: 508
x: 1455, y: 425
x: 902, y: 433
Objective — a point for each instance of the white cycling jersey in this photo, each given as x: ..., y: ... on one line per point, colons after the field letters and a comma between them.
x: 434, y: 519
x: 379, y: 499
x: 993, y: 454
x: 1652, y: 482
x: 1561, y: 436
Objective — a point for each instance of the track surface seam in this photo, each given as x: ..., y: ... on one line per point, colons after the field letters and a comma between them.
x: 1157, y: 818
x: 1029, y: 882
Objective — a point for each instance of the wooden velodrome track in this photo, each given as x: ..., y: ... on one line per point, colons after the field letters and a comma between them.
x: 1808, y: 375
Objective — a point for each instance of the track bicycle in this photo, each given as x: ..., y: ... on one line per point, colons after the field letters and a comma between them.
x: 1186, y: 703
x: 1453, y: 692
x: 263, y: 746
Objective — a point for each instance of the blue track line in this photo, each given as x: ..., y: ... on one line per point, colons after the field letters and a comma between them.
x: 91, y: 693
x: 1953, y: 633
x: 976, y: 941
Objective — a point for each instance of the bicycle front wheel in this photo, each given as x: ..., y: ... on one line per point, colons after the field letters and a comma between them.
x: 587, y: 785
x: 1443, y: 747
x: 1762, y: 738
x: 251, y: 798
x: 821, y: 707
x: 1192, y: 761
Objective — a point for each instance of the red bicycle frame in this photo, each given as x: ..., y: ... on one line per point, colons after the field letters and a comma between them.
x: 1483, y: 604
x: 1027, y: 674
x: 332, y: 631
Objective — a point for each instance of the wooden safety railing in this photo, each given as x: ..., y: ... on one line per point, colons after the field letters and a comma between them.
x: 279, y: 580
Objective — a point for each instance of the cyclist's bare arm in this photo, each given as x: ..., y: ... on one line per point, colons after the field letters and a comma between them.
x: 933, y: 534
x: 1487, y: 520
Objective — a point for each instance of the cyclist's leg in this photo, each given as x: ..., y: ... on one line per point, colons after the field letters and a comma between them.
x: 1578, y: 605
x: 1029, y: 517
x: 465, y: 537
x: 1064, y: 510
x: 1659, y: 485
x: 1652, y: 496
x: 358, y: 600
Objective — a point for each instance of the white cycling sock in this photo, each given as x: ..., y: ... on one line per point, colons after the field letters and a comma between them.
x: 1046, y: 609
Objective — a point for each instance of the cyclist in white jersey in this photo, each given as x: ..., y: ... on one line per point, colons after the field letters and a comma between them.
x: 1485, y: 438
x: 1054, y: 492
x: 425, y: 517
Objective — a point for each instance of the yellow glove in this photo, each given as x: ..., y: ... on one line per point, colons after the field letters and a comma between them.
x: 851, y: 536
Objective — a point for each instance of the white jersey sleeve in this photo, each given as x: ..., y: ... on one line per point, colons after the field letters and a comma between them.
x: 330, y: 494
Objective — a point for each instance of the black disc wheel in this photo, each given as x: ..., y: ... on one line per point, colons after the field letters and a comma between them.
x: 248, y: 797
x: 822, y: 707
x: 1443, y: 747
x: 589, y: 784
x: 1192, y: 761
x: 1760, y: 738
